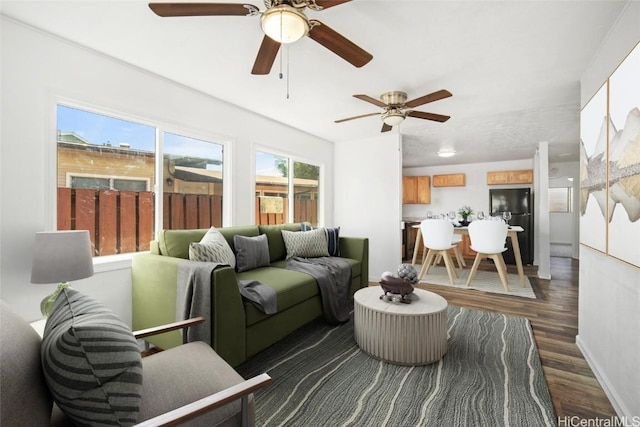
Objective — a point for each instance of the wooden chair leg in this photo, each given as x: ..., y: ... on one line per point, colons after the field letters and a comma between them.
x: 426, y: 265
x: 459, y: 258
x: 474, y: 267
x: 451, y: 270
x: 502, y: 270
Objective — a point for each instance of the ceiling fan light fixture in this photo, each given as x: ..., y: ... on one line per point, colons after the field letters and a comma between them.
x: 393, y: 117
x: 284, y: 24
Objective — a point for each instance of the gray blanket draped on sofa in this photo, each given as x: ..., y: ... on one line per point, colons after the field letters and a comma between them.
x: 193, y: 297
x: 333, y: 276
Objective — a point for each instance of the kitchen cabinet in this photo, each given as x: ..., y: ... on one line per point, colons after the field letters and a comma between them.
x: 524, y: 176
x: 416, y: 189
x: 450, y: 180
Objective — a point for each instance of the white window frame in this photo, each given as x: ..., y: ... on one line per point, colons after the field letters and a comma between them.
x: 121, y: 261
x: 290, y: 185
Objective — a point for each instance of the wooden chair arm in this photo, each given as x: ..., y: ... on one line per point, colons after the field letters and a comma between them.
x: 209, y: 403
x: 167, y: 328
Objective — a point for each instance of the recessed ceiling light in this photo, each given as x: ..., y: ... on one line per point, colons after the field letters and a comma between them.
x: 447, y: 153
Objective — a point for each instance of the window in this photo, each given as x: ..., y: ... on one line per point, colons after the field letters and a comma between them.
x: 305, y: 192
x: 561, y: 200
x: 106, y: 180
x: 273, y: 186
x: 192, y: 182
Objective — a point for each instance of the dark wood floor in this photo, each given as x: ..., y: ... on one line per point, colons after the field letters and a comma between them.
x: 554, y: 319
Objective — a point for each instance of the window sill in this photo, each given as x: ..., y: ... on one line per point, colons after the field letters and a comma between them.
x: 112, y: 262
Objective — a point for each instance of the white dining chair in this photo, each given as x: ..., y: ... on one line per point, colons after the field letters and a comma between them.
x: 488, y: 239
x: 437, y: 235
x: 455, y: 240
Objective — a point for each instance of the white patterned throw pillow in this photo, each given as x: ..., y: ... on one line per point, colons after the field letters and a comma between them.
x: 305, y: 244
x: 212, y: 248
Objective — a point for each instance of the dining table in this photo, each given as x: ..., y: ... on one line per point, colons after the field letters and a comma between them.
x: 512, y: 233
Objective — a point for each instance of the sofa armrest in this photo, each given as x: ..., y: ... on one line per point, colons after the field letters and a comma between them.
x: 357, y: 248
x: 209, y: 403
x: 154, y: 279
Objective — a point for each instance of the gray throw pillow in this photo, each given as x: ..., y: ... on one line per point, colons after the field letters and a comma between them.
x: 212, y: 248
x: 251, y: 252
x: 305, y: 244
x: 91, y: 362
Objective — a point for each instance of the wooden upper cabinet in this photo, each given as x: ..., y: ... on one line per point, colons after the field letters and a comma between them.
x: 450, y: 180
x: 409, y: 189
x: 424, y: 189
x: 416, y: 189
x: 524, y: 176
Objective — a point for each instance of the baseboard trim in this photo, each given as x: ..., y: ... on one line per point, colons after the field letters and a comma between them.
x: 614, y: 398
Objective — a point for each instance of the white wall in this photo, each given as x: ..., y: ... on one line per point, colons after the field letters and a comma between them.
x: 609, y: 298
x: 368, y: 197
x: 39, y: 69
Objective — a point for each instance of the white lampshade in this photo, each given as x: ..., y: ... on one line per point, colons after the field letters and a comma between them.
x: 61, y: 256
x: 284, y: 24
x: 393, y: 118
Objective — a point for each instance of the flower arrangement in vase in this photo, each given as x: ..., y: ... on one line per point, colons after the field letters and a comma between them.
x: 465, y: 212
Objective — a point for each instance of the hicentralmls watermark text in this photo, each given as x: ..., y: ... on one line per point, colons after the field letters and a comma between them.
x: 599, y: 422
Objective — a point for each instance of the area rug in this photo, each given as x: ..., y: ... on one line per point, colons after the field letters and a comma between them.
x: 490, y: 376
x: 483, y: 280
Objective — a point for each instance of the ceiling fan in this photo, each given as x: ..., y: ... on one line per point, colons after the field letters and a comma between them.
x: 283, y: 21
x: 397, y: 108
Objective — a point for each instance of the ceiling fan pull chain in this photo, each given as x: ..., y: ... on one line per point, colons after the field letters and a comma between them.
x: 280, y: 74
x: 288, y: 72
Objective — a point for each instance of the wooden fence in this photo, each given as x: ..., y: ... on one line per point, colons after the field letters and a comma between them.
x: 122, y: 221
x: 303, y: 210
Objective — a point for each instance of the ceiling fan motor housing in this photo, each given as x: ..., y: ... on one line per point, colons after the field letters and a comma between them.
x: 394, y: 99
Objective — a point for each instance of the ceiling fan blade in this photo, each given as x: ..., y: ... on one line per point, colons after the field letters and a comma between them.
x: 371, y: 100
x: 386, y: 128
x: 325, y: 4
x: 338, y: 44
x: 357, y: 117
x: 428, y: 116
x: 435, y: 96
x: 201, y: 9
x: 266, y: 56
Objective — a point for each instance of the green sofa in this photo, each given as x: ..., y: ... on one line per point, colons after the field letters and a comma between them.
x: 239, y: 329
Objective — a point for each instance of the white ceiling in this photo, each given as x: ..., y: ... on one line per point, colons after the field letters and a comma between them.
x: 513, y: 66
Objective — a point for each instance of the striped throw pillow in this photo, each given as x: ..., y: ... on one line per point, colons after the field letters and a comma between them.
x: 305, y: 244
x: 91, y: 362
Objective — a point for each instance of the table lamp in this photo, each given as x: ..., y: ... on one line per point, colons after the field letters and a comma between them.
x: 59, y: 257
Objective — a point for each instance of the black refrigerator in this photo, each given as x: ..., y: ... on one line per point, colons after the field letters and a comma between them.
x: 518, y: 201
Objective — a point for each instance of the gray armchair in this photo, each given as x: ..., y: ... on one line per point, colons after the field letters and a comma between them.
x: 186, y: 385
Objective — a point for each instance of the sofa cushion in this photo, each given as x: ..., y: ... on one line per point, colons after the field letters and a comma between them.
x: 212, y: 248
x: 356, y: 266
x: 175, y: 243
x: 306, y: 244
x: 277, y: 250
x: 251, y: 252
x: 333, y: 237
x: 91, y: 362
x: 243, y: 230
x: 25, y: 397
x: 291, y: 288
